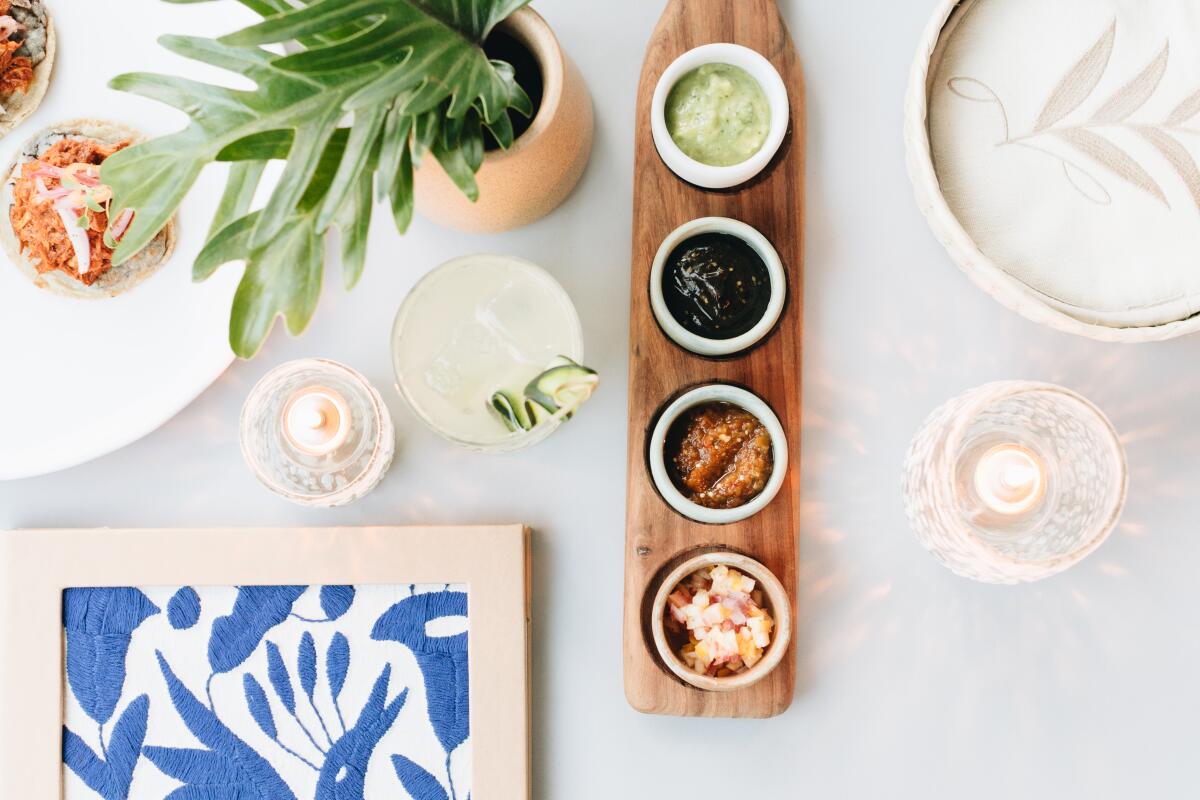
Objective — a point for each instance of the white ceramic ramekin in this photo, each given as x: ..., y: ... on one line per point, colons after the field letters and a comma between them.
x: 776, y: 602
x: 705, y: 175
x: 717, y: 393
x: 718, y: 347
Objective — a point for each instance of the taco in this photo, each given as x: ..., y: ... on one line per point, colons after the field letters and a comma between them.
x: 26, y: 59
x: 59, y: 232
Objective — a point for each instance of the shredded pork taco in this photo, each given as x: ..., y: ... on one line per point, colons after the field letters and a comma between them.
x: 60, y: 233
x: 26, y: 59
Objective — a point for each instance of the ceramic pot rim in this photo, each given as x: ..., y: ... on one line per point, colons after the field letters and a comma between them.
x: 718, y: 347
x: 532, y: 31
x: 706, y: 175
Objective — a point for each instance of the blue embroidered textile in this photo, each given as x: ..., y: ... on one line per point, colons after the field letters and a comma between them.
x: 267, y: 693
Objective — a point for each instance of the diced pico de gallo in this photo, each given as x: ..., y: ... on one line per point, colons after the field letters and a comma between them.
x: 718, y: 613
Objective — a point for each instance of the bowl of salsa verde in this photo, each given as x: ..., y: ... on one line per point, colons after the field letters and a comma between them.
x: 717, y: 286
x: 719, y: 114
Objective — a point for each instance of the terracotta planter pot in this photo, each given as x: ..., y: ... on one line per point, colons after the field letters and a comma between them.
x: 533, y: 177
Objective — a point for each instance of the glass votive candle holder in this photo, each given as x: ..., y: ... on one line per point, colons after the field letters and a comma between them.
x: 317, y: 433
x: 1014, y: 481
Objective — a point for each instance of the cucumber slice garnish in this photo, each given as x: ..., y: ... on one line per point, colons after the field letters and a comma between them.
x: 537, y: 414
x: 512, y: 413
x: 557, y: 393
x: 563, y: 387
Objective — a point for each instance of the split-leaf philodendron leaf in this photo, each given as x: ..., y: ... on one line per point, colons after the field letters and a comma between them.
x: 367, y: 88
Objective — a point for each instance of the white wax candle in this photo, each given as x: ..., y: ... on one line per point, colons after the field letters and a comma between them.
x: 1010, y: 479
x: 316, y: 420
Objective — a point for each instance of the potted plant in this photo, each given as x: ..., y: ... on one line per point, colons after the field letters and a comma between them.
x: 521, y: 184
x: 368, y: 91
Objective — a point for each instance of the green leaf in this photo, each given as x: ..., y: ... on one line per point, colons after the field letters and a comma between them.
x: 230, y: 243
x: 397, y: 132
x: 402, y: 192
x: 454, y: 161
x: 282, y: 278
x: 476, y: 17
x: 239, y: 193
x: 363, y: 141
x: 258, y: 147
x: 354, y: 223
x: 373, y: 85
x: 472, y: 142
x: 307, y: 147
x: 425, y: 131
x: 502, y: 130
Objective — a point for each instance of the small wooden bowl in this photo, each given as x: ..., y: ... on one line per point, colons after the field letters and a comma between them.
x: 776, y: 602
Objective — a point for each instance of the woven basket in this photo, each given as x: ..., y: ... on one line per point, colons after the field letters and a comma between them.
x: 1071, y: 533
x: 989, y: 276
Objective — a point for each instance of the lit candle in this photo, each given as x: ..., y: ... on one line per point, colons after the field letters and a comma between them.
x: 1010, y: 479
x: 316, y: 421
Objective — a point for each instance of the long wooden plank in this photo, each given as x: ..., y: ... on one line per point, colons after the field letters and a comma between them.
x: 656, y: 537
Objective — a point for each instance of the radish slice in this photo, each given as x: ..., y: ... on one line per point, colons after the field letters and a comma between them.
x: 77, y: 235
x: 49, y: 194
x: 122, y: 224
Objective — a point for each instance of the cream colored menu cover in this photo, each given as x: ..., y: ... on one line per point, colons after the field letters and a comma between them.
x: 1065, y: 135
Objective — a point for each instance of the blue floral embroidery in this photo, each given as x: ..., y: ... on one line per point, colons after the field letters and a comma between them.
x: 183, y: 611
x: 345, y: 772
x: 337, y: 664
x: 229, y: 768
x: 336, y: 600
x: 343, y: 766
x: 417, y: 781
x: 256, y: 610
x: 443, y: 662
x: 111, y: 777
x: 100, y: 623
x: 443, y: 659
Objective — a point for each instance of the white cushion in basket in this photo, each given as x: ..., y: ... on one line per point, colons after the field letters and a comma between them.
x: 1066, y: 135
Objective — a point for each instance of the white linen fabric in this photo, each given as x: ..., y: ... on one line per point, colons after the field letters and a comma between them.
x: 323, y: 692
x: 1065, y: 138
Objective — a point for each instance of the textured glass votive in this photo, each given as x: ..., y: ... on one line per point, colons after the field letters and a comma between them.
x: 317, y: 433
x: 1014, y: 482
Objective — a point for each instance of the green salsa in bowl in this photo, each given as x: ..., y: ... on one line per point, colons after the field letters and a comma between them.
x: 718, y: 114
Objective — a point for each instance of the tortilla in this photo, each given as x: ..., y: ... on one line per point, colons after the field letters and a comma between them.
x: 120, y: 278
x: 18, y: 106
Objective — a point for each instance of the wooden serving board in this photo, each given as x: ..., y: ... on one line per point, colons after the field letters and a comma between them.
x: 658, y: 538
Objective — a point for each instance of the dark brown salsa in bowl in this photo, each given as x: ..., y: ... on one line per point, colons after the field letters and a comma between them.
x: 717, y: 286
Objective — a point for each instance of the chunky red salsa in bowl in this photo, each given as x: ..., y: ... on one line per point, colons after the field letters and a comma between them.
x: 718, y: 454
x: 721, y: 621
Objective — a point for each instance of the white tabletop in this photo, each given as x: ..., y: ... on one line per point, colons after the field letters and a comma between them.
x: 914, y: 683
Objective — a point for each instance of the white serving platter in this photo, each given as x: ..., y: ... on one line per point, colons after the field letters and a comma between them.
x: 79, y: 379
x: 1054, y: 151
